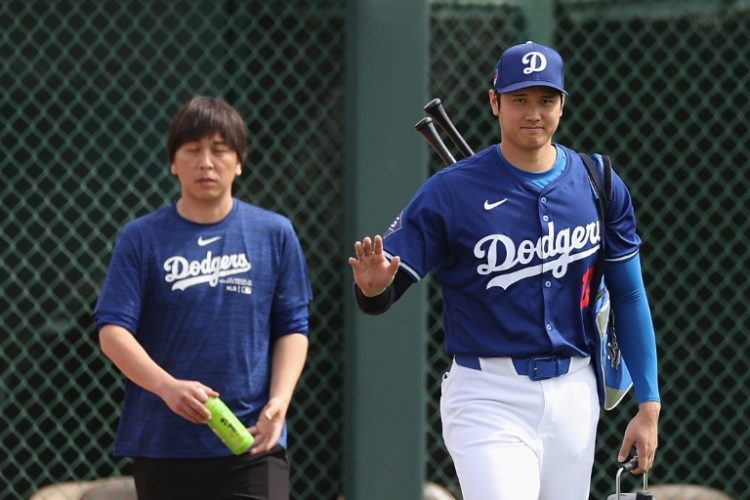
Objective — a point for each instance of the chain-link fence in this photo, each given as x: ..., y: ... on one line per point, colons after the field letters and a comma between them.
x: 89, y: 88
x: 88, y: 91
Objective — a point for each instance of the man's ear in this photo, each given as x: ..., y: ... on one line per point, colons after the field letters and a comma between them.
x: 494, y: 102
x: 562, y: 103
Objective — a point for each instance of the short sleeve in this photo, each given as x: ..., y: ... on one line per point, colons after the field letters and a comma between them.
x: 622, y: 241
x: 419, y: 234
x: 293, y: 292
x: 121, y: 296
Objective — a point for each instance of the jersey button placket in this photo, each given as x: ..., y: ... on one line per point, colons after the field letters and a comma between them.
x: 545, y: 281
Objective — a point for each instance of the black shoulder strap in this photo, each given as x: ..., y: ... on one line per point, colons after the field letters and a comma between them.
x: 603, y: 189
x: 603, y: 198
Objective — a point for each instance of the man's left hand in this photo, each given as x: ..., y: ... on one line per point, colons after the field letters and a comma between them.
x: 642, y: 432
x: 268, y: 428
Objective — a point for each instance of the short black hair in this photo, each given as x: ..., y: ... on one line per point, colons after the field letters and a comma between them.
x: 204, y: 116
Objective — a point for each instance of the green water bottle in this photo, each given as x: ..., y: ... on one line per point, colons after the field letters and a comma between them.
x: 228, y: 427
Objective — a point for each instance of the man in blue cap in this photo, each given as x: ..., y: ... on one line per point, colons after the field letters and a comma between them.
x: 513, y: 235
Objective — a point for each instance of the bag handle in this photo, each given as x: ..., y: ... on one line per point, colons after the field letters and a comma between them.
x: 628, y: 467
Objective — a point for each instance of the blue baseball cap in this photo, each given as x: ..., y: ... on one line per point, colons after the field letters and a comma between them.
x: 529, y: 65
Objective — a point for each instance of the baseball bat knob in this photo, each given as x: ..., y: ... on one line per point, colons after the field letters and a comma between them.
x: 423, y: 123
x: 432, y: 104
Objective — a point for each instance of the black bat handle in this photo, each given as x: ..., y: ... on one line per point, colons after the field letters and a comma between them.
x: 435, y: 109
x: 426, y: 127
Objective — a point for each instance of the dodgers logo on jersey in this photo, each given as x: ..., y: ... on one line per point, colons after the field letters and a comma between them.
x: 184, y: 273
x: 535, y: 62
x: 500, y: 253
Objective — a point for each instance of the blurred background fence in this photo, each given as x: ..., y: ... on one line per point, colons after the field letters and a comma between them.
x: 89, y: 87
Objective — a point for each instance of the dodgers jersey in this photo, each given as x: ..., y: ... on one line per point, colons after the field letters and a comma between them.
x: 206, y: 301
x: 514, y: 261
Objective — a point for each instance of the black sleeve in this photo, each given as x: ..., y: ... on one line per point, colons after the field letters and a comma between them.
x: 380, y: 303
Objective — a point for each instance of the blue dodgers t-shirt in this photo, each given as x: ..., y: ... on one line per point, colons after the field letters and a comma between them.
x: 206, y: 301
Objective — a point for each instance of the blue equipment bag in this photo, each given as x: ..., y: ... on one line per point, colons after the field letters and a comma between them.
x: 612, y: 376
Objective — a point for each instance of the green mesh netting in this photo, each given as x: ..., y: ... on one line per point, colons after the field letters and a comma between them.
x: 89, y: 88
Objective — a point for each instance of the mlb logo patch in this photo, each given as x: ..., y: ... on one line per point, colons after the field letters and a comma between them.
x: 395, y: 226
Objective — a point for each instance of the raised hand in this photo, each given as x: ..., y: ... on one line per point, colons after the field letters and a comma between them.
x: 372, y: 271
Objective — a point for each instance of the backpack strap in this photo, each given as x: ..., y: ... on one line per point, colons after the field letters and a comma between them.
x: 601, y: 182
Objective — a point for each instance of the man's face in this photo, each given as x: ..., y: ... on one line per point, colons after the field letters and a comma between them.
x: 528, y: 117
x: 206, y: 169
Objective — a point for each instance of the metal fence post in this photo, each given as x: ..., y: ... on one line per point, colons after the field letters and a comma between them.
x: 386, y: 162
x: 540, y: 20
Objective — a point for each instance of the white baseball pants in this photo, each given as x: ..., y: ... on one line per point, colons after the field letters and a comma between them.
x: 512, y: 438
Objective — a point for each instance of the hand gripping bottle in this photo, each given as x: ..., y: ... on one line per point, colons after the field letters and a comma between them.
x: 228, y: 427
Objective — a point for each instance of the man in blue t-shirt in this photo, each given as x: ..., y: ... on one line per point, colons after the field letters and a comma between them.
x: 205, y: 297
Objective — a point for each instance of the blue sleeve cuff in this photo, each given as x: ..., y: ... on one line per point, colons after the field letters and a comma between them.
x: 293, y: 320
x: 634, y: 327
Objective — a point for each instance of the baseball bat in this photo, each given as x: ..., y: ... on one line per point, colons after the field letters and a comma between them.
x: 428, y: 131
x: 435, y: 109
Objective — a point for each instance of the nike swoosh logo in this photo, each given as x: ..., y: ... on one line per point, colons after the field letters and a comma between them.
x: 490, y: 206
x: 207, y: 241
